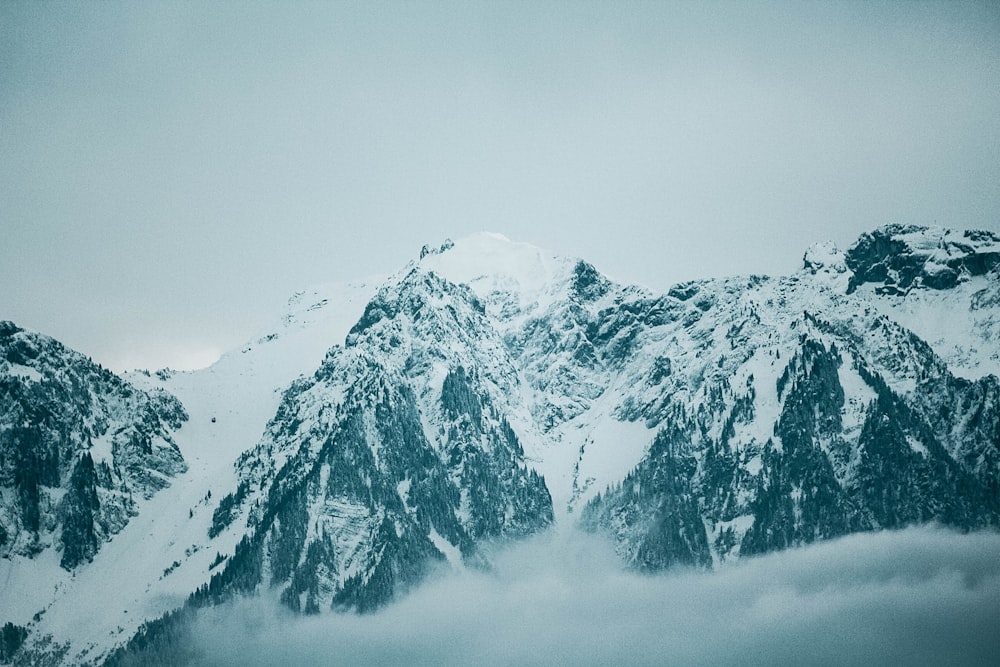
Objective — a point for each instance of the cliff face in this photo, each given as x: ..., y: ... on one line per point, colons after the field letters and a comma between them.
x: 490, y: 390
x: 395, y: 455
x: 898, y: 258
x: 725, y: 417
x: 77, y: 444
x: 807, y: 412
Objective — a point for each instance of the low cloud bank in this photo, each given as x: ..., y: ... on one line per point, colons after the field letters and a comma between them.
x: 921, y: 596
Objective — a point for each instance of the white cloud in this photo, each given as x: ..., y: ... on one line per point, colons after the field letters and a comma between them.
x: 921, y: 596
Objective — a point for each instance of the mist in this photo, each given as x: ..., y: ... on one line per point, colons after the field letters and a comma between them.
x: 920, y: 596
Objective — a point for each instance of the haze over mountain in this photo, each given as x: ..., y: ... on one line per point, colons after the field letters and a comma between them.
x: 383, y: 432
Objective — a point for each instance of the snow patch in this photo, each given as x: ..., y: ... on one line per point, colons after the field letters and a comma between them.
x: 489, y: 262
x: 964, y: 336
x: 25, y: 373
x: 100, y: 449
x: 450, y: 551
x: 917, y: 446
x: 858, y: 396
x: 824, y: 257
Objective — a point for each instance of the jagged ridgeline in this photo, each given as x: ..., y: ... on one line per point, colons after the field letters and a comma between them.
x: 815, y: 415
x: 394, y: 456
x: 723, y: 418
x: 701, y: 493
x: 78, y: 445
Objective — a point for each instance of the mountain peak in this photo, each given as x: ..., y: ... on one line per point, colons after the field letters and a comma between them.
x: 490, y: 262
x: 901, y: 257
x: 824, y: 257
x: 481, y: 393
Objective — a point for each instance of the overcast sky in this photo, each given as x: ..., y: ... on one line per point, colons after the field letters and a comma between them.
x: 170, y: 172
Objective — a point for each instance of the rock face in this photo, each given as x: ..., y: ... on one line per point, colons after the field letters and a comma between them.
x: 725, y: 417
x: 489, y: 390
x: 900, y: 257
x: 395, y: 455
x: 77, y: 443
x: 794, y: 410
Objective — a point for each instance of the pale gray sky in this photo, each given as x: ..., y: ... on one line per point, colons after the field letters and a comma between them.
x: 171, y: 171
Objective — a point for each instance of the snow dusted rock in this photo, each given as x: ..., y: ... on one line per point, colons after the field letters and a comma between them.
x: 796, y: 410
x: 951, y: 281
x: 77, y: 444
x: 900, y: 257
x: 824, y: 257
x: 397, y: 453
x: 490, y: 389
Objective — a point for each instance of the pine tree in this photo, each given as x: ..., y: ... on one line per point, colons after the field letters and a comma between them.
x: 80, y: 506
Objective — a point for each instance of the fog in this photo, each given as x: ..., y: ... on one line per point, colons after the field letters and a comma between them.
x: 920, y: 596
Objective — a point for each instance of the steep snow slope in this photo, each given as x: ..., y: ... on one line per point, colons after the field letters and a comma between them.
x: 793, y: 410
x: 938, y: 283
x: 390, y: 457
x: 722, y: 418
x: 164, y: 553
x: 537, y: 301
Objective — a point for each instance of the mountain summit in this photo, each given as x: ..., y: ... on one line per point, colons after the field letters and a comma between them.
x: 489, y: 390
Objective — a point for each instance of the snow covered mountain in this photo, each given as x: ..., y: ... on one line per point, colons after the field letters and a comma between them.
x: 490, y: 389
x: 390, y: 456
x: 795, y: 409
x: 77, y: 444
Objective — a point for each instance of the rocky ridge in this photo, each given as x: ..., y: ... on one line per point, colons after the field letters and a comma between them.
x: 77, y: 445
x: 489, y: 390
